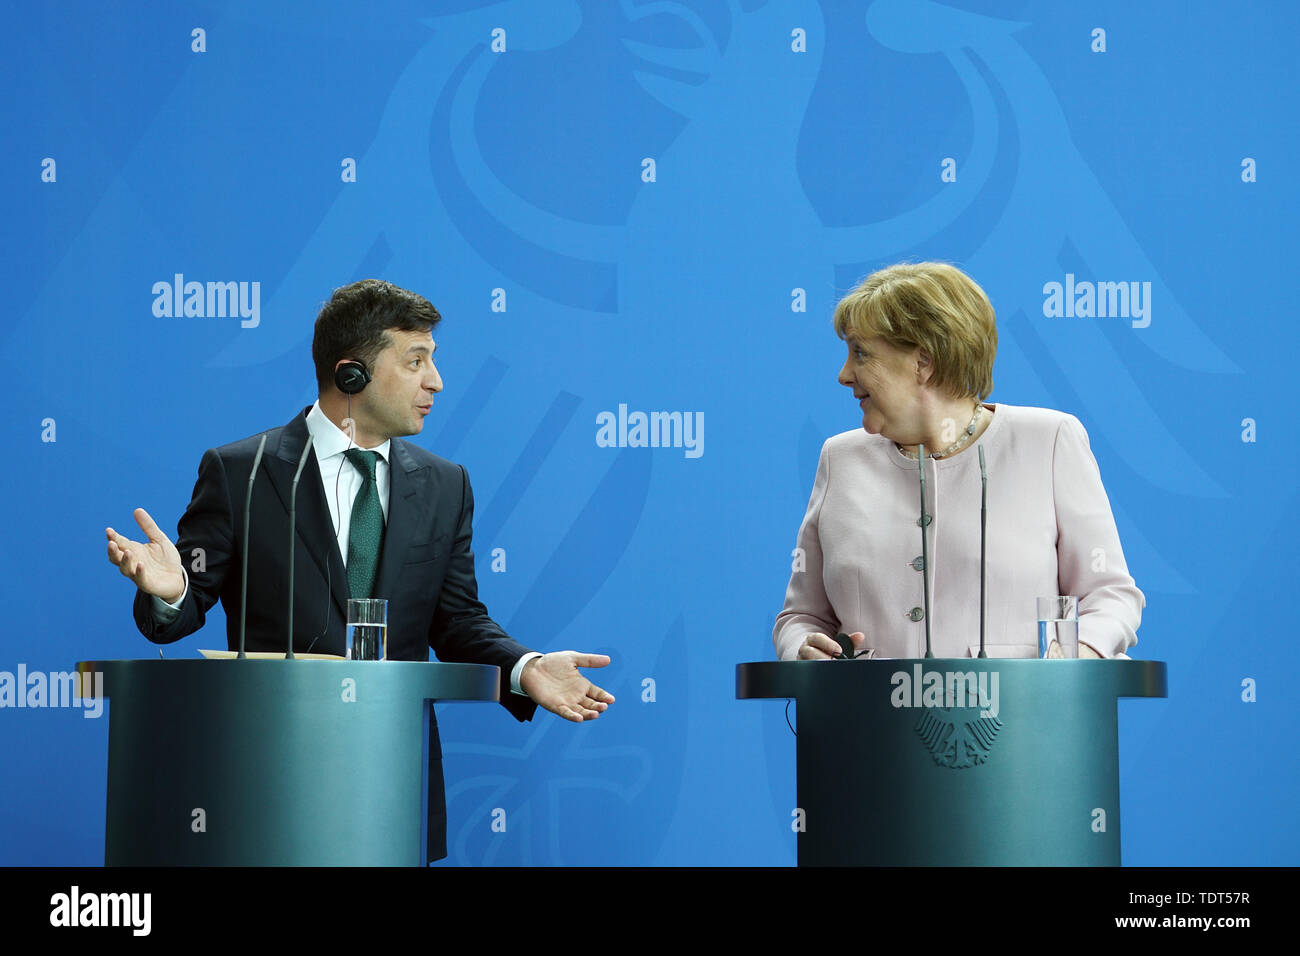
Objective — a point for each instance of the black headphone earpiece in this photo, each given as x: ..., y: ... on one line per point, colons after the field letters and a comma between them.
x: 351, y: 377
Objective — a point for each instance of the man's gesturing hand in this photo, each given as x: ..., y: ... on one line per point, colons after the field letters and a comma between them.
x: 554, y: 681
x: 154, y: 566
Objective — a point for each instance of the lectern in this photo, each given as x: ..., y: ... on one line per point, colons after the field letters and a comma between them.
x: 956, y: 762
x: 273, y: 762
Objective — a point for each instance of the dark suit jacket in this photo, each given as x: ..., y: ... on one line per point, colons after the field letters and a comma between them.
x: 426, y: 570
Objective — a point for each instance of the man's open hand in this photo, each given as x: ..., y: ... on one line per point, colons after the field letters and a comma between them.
x: 554, y: 681
x: 154, y: 565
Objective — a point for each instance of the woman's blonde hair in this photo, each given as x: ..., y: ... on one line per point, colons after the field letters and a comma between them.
x: 932, y: 305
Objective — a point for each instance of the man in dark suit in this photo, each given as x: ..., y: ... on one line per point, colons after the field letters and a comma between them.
x: 376, y: 516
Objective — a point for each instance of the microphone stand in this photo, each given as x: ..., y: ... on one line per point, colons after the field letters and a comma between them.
x: 925, y: 553
x: 984, y: 521
x: 293, y: 520
x: 243, y: 585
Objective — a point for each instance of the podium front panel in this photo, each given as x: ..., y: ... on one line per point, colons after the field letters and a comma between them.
x: 957, y: 762
x: 318, y: 763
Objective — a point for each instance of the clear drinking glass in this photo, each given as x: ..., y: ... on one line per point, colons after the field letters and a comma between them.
x: 367, y: 629
x: 1058, y: 626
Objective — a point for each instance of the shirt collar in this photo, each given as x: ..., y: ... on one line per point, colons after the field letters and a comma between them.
x: 329, y: 440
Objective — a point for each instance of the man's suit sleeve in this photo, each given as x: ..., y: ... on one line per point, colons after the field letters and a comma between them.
x: 462, y: 631
x: 206, y: 528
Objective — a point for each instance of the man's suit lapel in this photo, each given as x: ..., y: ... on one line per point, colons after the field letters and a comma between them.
x: 408, y: 486
x: 314, y: 528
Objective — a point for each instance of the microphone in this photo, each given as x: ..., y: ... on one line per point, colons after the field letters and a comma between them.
x: 925, y: 552
x: 243, y: 585
x: 984, y: 522
x: 293, y: 521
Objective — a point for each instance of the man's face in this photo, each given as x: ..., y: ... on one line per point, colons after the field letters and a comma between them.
x: 402, y: 385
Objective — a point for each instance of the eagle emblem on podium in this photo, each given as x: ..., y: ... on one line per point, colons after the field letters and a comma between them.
x: 958, y: 737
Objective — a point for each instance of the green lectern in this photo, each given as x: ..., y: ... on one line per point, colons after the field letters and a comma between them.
x: 273, y: 762
x: 984, y: 762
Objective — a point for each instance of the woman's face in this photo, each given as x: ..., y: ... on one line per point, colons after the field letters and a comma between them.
x: 884, y: 380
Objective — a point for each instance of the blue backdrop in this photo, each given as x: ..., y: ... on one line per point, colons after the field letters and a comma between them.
x: 655, y: 205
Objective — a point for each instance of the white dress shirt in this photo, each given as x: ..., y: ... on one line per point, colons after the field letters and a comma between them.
x: 341, y: 478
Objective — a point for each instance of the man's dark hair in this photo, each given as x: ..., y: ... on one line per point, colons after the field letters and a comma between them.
x: 355, y: 321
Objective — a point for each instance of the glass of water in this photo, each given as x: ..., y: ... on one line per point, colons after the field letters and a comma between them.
x: 1058, y: 627
x: 367, y: 629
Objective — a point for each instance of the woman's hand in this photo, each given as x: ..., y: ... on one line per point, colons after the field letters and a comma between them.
x: 1085, y: 651
x: 819, y: 647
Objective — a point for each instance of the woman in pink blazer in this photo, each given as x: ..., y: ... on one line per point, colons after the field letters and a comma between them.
x: 921, y: 341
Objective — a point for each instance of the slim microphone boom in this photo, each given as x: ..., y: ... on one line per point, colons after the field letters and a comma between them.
x: 243, y: 586
x: 984, y: 522
x: 293, y: 520
x: 925, y: 553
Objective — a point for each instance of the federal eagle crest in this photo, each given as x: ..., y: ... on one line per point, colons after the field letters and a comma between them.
x: 958, y: 737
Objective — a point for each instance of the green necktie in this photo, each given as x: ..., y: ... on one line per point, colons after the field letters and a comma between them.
x: 366, y: 533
